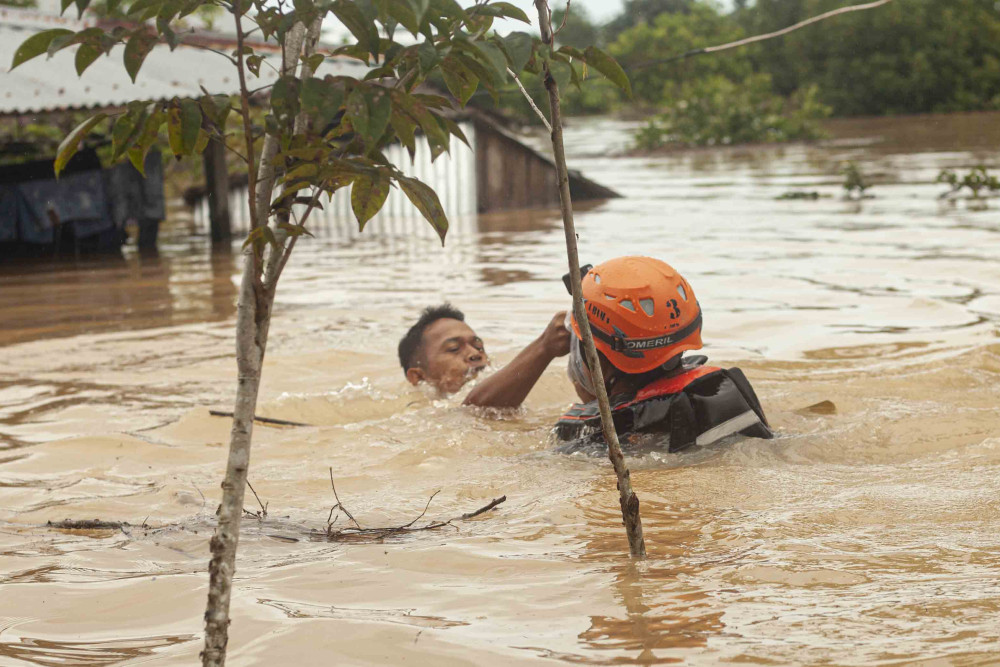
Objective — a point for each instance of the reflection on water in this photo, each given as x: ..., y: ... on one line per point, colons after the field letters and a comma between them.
x: 186, y: 283
x: 864, y: 534
x: 97, y: 653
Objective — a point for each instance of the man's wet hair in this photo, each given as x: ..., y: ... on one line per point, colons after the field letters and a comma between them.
x: 410, y: 344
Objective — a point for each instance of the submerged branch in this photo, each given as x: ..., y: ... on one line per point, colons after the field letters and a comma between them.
x: 357, y: 533
x: 262, y: 420
x: 263, y: 506
x: 340, y: 504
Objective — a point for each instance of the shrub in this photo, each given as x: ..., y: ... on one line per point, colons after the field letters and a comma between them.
x: 717, y: 111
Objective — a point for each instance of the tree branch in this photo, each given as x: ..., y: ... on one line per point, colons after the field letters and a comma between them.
x: 527, y: 96
x: 563, y: 23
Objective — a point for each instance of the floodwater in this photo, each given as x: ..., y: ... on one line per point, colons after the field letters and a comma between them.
x: 867, y: 533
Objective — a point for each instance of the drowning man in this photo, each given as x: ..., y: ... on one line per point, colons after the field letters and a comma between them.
x: 443, y: 351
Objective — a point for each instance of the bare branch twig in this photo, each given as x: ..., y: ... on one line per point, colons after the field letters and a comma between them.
x: 545, y: 121
x: 485, y: 508
x: 263, y: 420
x: 263, y: 507
x: 369, y: 534
x: 340, y: 504
x: 425, y: 509
x: 563, y: 23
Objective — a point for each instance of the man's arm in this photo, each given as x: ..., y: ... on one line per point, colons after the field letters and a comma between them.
x: 509, y: 386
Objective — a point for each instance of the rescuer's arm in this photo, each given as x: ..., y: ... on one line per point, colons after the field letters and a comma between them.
x: 508, y: 387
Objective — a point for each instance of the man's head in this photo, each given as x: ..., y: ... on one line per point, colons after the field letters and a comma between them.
x: 441, y: 349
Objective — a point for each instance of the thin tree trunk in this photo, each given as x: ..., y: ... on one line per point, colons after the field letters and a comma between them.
x: 629, y: 501
x: 253, y: 320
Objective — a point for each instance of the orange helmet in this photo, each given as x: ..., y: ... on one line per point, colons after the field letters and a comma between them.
x: 641, y: 311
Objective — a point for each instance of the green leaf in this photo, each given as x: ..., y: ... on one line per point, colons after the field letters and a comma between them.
x: 357, y: 110
x: 494, y: 58
x: 561, y: 72
x: 437, y: 137
x: 519, y: 45
x: 314, y: 61
x: 355, y: 51
x: 126, y: 129
x: 426, y: 201
x: 607, y: 66
x: 510, y: 11
x: 216, y: 108
x: 461, y: 81
x: 138, y: 47
x: 183, y: 126
x: 253, y: 64
x: 454, y: 128
x: 419, y: 8
x: 427, y: 57
x: 402, y: 11
x: 140, y: 7
x: 321, y: 99
x: 36, y: 45
x: 307, y: 171
x: 150, y: 133
x: 190, y: 124
x: 202, y: 142
x: 297, y: 230
x: 172, y: 38
x: 404, y: 127
x: 85, y: 57
x: 61, y: 42
x: 380, y: 108
x: 361, y: 26
x: 174, y: 137
x: 368, y: 194
x: 67, y: 149
x: 285, y: 99
x: 137, y: 157
x: 572, y: 52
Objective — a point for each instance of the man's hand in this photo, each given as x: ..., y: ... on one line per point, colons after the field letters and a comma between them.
x: 555, y: 338
x: 508, y: 386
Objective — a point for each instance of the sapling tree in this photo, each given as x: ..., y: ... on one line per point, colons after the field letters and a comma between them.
x: 550, y: 62
x: 319, y: 134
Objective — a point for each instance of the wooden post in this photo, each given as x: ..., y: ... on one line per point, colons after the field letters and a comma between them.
x: 217, y: 189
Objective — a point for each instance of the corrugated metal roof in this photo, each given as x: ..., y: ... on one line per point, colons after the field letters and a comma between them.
x: 51, y: 84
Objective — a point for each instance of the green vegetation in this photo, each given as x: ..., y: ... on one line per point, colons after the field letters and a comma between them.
x: 717, y: 111
x: 909, y: 56
x: 855, y: 182
x: 979, y: 182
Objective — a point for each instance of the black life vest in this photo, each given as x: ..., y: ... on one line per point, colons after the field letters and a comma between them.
x: 700, y: 405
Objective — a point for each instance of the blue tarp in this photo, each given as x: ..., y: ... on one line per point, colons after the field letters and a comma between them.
x: 91, y: 202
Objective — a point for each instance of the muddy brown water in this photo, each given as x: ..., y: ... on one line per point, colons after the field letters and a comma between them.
x: 865, y: 534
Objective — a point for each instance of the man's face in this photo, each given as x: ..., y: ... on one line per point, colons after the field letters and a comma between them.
x: 451, y: 355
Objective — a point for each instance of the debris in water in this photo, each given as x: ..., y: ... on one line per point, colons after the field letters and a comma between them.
x: 821, y: 408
